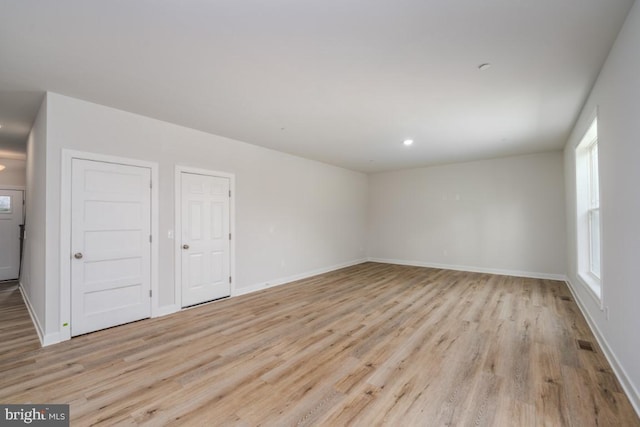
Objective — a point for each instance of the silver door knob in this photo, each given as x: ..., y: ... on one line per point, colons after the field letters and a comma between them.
x: 77, y: 255
x: 185, y: 246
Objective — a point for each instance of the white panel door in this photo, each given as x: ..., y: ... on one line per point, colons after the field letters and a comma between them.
x: 110, y: 244
x: 205, y: 238
x: 10, y: 220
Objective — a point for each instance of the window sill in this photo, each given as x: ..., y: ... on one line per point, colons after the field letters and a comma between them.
x: 594, y: 287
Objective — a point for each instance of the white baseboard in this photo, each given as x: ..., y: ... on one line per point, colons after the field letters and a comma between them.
x: 516, y: 273
x: 284, y: 280
x: 620, y: 373
x: 32, y: 313
x: 50, y: 339
x: 166, y: 310
x: 45, y: 339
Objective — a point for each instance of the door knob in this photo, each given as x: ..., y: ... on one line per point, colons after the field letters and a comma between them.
x: 77, y: 255
x: 185, y: 246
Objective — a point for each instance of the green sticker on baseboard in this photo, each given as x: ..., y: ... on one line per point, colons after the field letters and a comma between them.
x: 65, y: 324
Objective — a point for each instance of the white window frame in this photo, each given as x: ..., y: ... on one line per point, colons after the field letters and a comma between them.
x: 587, y: 207
x: 594, y: 205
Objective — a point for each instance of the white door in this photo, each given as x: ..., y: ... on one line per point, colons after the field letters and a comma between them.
x: 110, y: 244
x: 204, y: 239
x: 10, y: 221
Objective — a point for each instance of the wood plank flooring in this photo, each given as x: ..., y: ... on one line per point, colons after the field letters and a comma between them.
x: 368, y: 345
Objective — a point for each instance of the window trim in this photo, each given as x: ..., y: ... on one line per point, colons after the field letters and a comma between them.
x: 588, y: 202
x: 590, y: 213
x: 593, y: 204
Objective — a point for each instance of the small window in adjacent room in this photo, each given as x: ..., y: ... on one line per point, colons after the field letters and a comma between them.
x: 5, y: 204
x: 588, y: 210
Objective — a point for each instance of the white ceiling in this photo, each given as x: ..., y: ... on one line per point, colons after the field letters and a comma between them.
x: 343, y: 82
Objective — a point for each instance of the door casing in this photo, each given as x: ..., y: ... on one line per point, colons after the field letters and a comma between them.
x: 178, y: 227
x: 65, y: 232
x: 22, y: 208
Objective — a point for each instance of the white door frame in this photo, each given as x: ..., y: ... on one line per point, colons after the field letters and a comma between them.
x: 12, y: 187
x: 24, y: 209
x: 178, y: 226
x: 65, y: 230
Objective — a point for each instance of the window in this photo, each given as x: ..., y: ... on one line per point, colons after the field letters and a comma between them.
x: 594, y: 211
x: 588, y: 210
x: 5, y: 204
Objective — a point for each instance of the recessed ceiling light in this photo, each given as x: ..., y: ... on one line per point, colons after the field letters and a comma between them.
x: 407, y: 142
x: 484, y: 66
x: 2, y: 167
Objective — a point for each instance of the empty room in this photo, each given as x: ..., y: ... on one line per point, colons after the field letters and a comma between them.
x: 394, y: 213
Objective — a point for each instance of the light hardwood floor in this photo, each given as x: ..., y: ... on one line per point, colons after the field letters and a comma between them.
x: 367, y: 345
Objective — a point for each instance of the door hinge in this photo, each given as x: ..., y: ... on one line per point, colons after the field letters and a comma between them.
x: 229, y: 236
x: 229, y: 193
x: 150, y: 293
x: 150, y: 238
x: 229, y: 279
x: 150, y: 184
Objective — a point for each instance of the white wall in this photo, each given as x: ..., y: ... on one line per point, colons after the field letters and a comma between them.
x: 616, y: 96
x: 33, y: 275
x: 15, y: 173
x: 293, y: 216
x: 503, y: 215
